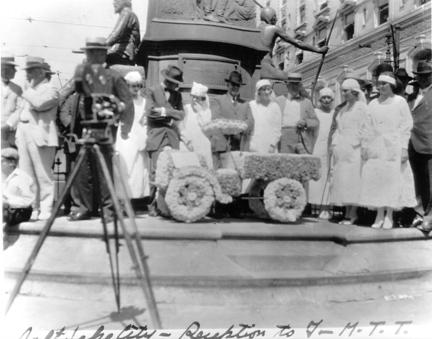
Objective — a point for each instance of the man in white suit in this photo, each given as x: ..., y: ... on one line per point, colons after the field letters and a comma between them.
x: 36, y: 135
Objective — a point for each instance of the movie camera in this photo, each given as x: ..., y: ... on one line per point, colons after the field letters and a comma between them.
x: 101, y: 106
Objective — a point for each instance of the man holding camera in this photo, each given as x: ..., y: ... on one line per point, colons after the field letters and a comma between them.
x: 85, y: 193
x: 299, y: 121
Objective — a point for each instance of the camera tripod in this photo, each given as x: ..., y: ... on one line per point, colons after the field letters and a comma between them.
x: 90, y: 145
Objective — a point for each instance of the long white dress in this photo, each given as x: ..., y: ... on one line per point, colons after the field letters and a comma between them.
x: 192, y: 135
x: 316, y: 188
x: 267, y: 127
x: 345, y: 180
x: 133, y: 158
x: 386, y: 182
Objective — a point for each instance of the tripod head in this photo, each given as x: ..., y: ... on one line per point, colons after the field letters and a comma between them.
x: 101, y: 106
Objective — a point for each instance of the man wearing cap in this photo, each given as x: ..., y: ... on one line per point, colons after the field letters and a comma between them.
x: 125, y: 37
x: 10, y: 103
x: 83, y: 191
x: 299, y: 121
x: 420, y: 145
x: 18, y: 189
x: 36, y: 135
x: 164, y: 109
x: 230, y: 106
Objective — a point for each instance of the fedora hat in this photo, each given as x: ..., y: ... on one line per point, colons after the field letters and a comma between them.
x: 8, y: 60
x: 235, y: 78
x: 173, y: 73
x: 47, y: 68
x: 401, y: 73
x: 95, y: 43
x: 294, y: 77
x: 34, y: 62
x: 423, y: 67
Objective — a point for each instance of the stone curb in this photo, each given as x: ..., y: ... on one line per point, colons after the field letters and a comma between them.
x: 156, y: 228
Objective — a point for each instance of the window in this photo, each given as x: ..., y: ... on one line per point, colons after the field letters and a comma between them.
x: 323, y: 4
x: 283, y: 24
x: 302, y: 14
x: 349, y: 25
x: 364, y: 17
x: 422, y: 2
x: 321, y: 35
x: 299, y: 58
x: 383, y: 11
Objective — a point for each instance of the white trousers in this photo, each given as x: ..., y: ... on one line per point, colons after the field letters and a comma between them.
x: 37, y: 162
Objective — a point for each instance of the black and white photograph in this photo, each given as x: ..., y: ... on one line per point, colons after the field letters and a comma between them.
x: 216, y: 169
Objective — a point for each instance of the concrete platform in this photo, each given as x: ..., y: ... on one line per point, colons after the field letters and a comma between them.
x: 228, y: 253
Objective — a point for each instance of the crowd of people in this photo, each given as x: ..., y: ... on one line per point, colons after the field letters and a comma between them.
x: 375, y: 151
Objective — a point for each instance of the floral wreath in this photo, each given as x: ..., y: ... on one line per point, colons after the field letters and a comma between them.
x: 285, y: 199
x: 191, y: 193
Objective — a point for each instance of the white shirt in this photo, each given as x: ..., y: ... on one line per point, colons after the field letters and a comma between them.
x: 291, y: 113
x: 18, y: 189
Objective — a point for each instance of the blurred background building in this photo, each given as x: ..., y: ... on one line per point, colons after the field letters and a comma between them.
x: 361, y: 38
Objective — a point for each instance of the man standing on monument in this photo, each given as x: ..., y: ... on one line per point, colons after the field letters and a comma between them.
x: 125, y: 37
x: 164, y: 108
x: 269, y: 33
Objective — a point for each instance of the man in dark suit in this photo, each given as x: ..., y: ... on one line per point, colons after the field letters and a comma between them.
x: 230, y: 106
x: 85, y: 193
x: 420, y: 145
x: 164, y: 108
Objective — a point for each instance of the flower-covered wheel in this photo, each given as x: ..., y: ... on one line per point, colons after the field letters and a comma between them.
x: 189, y: 198
x: 285, y: 199
x: 255, y: 202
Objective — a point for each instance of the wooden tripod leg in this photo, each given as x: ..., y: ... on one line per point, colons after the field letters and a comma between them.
x: 131, y: 214
x: 114, y: 273
x: 139, y: 270
x: 44, y: 233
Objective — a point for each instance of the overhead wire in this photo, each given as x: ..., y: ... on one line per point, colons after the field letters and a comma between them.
x: 31, y: 20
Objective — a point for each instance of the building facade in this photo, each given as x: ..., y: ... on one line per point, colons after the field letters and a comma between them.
x: 362, y: 36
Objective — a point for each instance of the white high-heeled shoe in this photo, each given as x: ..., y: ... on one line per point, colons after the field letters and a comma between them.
x: 388, y: 224
x: 378, y: 224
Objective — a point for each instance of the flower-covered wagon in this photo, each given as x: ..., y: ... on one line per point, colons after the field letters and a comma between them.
x: 275, y: 183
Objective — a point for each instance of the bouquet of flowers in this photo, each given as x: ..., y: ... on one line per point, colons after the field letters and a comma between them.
x: 229, y: 181
x: 225, y: 126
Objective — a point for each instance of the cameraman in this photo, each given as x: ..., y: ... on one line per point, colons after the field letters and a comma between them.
x: 84, y: 191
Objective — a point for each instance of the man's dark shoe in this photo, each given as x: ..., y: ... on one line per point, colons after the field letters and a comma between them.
x: 426, y: 226
x: 417, y: 221
x: 80, y: 216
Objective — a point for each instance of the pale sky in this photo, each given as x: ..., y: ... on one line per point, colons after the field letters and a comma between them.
x: 59, y: 26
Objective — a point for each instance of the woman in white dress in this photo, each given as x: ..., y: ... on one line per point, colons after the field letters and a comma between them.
x: 267, y: 116
x: 387, y: 179
x: 133, y: 157
x: 197, y: 114
x: 345, y: 155
x: 324, y: 112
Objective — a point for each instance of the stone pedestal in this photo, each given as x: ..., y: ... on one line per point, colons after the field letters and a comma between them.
x: 206, y: 51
